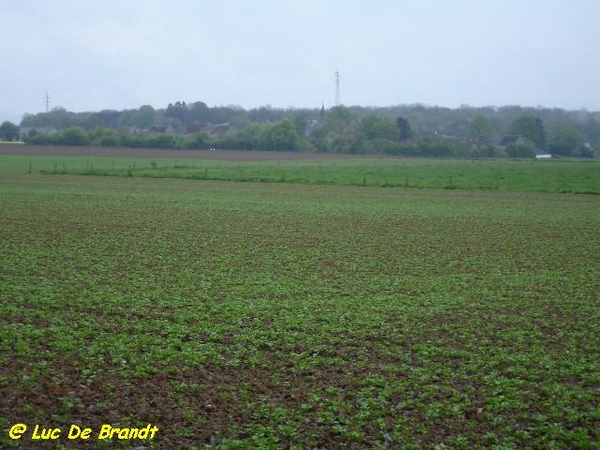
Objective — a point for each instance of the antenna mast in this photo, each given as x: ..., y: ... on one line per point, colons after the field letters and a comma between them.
x: 47, y: 101
x: 338, y: 95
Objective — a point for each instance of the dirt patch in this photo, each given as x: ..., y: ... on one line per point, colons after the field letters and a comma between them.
x: 125, y: 152
x: 190, y: 406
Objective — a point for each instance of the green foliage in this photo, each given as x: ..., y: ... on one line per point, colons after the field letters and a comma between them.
x: 265, y: 114
x: 523, y: 150
x: 340, y: 133
x: 280, y: 135
x: 58, y: 118
x: 300, y: 121
x: 106, y: 137
x: 198, y: 112
x: 404, y: 129
x: 144, y: 117
x: 568, y: 142
x: 424, y: 147
x: 195, y: 141
x: 249, y: 138
x: 350, y: 144
x: 529, y: 127
x: 420, y: 130
x: 161, y: 140
x: 107, y: 118
x: 374, y: 127
x: 274, y: 316
x: 179, y: 110
x: 415, y: 120
x: 504, y: 175
x: 9, y: 131
x: 136, y: 140
x: 340, y: 121
x: 109, y: 140
x: 73, y: 136
x: 481, y: 131
x: 151, y: 140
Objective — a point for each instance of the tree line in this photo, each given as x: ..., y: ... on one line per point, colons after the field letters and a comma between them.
x: 414, y: 130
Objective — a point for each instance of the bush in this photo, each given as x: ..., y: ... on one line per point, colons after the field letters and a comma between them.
x: 137, y: 140
x: 196, y: 141
x: 40, y: 139
x: 164, y: 141
x: 71, y: 136
x: 227, y: 142
x: 109, y: 141
x: 386, y: 146
x: 429, y: 147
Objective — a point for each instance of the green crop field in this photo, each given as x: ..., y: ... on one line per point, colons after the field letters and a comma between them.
x: 561, y: 175
x: 303, y: 316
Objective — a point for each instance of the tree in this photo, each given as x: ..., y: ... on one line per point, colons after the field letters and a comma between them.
x: 300, y: 121
x: 249, y: 136
x: 198, y: 112
x: 568, y: 142
x: 349, y: 143
x: 529, y: 127
x: 340, y: 120
x: 404, y: 129
x: 104, y: 118
x: 374, y: 127
x: 179, y: 110
x: 58, y: 118
x: 9, y: 131
x: 144, y: 117
x: 541, y: 132
x: 480, y: 131
x: 521, y: 149
x: 266, y: 114
x: 281, y: 135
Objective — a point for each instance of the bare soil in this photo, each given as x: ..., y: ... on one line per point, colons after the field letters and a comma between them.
x: 126, y: 152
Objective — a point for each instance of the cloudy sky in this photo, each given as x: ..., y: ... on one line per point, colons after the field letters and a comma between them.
x: 117, y: 54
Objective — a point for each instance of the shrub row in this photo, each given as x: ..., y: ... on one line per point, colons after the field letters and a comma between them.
x: 77, y: 136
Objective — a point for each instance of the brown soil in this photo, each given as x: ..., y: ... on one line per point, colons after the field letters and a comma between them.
x: 125, y: 152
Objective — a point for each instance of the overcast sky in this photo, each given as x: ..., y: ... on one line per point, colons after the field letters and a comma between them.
x: 117, y: 54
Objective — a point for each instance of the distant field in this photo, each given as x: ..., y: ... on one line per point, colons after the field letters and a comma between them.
x: 561, y: 175
x: 278, y: 315
x: 126, y: 152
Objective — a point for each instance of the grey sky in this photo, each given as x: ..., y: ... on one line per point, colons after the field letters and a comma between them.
x: 119, y: 54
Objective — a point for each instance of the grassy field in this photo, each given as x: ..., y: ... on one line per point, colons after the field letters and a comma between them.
x: 255, y: 315
x: 567, y: 176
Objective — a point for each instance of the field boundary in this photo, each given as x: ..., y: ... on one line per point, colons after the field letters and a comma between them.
x: 127, y: 152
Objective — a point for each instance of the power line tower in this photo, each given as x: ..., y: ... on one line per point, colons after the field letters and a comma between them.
x: 338, y: 95
x: 47, y: 101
